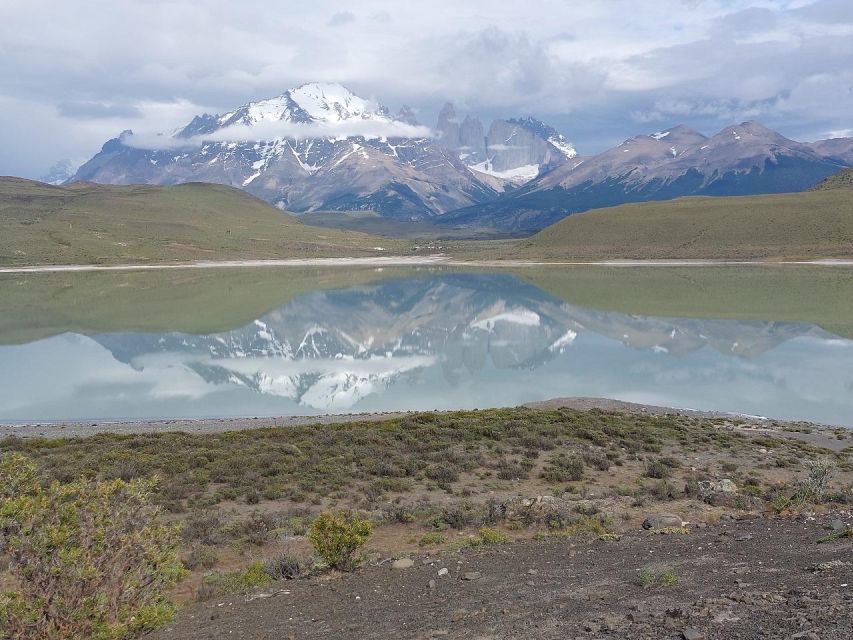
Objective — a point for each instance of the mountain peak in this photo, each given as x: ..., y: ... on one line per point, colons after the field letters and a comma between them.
x: 680, y: 135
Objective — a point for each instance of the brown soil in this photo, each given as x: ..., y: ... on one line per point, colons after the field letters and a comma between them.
x: 751, y: 578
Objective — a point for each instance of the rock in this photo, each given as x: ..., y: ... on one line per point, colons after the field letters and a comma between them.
x: 726, y: 486
x: 837, y: 525
x: 444, y: 571
x: 692, y: 634
x: 403, y: 563
x: 471, y: 575
x: 431, y: 584
x: 662, y: 521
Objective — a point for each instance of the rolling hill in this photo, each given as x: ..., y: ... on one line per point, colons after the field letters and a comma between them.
x: 85, y: 223
x: 814, y: 224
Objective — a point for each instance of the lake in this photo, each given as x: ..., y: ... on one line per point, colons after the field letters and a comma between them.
x: 770, y: 341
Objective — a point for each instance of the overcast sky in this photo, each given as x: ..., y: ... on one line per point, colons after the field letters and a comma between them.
x: 73, y: 74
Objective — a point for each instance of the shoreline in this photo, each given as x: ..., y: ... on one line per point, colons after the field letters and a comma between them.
x: 403, y: 261
x: 814, y: 433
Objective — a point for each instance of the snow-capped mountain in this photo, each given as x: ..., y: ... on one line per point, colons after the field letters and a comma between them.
x: 315, y: 147
x: 329, y: 350
x: 743, y: 159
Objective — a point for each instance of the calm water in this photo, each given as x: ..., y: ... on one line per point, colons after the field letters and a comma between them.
x: 413, y: 341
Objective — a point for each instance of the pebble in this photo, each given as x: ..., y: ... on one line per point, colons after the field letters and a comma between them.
x: 444, y: 571
x: 432, y: 584
x: 692, y: 634
x: 471, y: 575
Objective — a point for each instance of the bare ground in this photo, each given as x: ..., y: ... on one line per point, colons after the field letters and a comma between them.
x: 749, y: 578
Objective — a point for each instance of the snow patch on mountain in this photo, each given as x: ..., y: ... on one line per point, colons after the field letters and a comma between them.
x: 517, y: 176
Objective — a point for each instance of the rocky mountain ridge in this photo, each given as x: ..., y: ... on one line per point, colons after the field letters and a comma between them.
x: 321, y: 147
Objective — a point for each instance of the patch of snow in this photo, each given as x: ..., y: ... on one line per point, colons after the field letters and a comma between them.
x: 660, y: 135
x: 563, y: 341
x: 519, y: 175
x: 563, y: 146
x: 249, y: 180
x: 516, y: 316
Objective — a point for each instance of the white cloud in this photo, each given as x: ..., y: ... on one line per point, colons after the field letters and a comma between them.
x: 580, y: 64
x: 267, y: 130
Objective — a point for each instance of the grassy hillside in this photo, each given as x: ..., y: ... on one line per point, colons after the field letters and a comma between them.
x: 817, y: 224
x: 99, y: 224
x: 841, y: 180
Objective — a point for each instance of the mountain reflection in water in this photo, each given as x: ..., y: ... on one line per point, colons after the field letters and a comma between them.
x: 443, y: 341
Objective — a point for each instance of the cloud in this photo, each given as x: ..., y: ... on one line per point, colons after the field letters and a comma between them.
x: 341, y: 18
x: 583, y: 66
x: 97, y: 110
x: 268, y: 131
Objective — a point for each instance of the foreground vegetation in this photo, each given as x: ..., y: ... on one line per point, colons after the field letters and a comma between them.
x: 89, y: 559
x: 246, y: 500
x: 100, y: 224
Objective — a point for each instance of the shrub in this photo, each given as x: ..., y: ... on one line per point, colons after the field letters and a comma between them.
x: 648, y: 578
x: 92, y: 559
x: 201, y: 557
x: 430, y: 539
x: 205, y: 527
x: 492, y: 536
x: 816, y: 484
x: 337, y: 536
x: 563, y: 469
x: 221, y: 583
x: 287, y: 567
x: 657, y: 469
x: 442, y: 474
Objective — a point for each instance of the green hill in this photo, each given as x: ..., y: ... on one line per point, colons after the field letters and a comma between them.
x: 841, y: 180
x: 85, y: 223
x: 816, y: 224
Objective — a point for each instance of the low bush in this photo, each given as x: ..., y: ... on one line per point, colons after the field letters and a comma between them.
x: 337, y: 536
x: 221, y: 583
x: 91, y: 559
x: 648, y: 578
x: 431, y: 539
x: 657, y: 469
x: 287, y: 566
x: 201, y: 558
x: 563, y: 469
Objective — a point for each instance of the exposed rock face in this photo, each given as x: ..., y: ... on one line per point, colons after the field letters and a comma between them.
x: 514, y: 151
x: 472, y: 142
x: 447, y: 127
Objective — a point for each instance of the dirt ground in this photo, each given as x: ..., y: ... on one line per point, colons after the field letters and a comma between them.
x: 747, y: 578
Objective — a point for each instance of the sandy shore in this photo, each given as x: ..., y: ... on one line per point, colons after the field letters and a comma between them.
x: 403, y: 261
